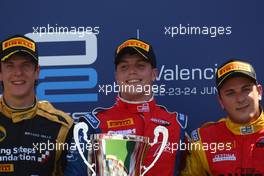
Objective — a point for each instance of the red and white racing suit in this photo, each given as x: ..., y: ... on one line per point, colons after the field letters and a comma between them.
x: 141, y: 118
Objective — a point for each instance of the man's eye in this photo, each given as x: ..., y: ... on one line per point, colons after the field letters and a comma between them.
x: 123, y: 67
x: 9, y: 66
x: 230, y: 93
x: 141, y: 65
x: 247, y: 89
x: 27, y: 66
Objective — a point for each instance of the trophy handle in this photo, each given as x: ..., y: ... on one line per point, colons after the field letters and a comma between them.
x: 85, y: 128
x: 164, y: 131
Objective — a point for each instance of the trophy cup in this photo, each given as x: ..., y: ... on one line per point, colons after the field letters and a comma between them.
x: 118, y: 154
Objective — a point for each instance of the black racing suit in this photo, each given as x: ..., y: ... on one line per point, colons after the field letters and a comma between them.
x: 32, y: 140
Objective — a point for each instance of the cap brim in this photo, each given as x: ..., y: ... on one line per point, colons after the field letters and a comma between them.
x: 18, y: 51
x: 235, y: 74
x: 129, y: 50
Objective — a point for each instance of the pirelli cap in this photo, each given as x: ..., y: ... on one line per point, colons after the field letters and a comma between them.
x: 234, y: 68
x: 18, y: 43
x: 132, y: 46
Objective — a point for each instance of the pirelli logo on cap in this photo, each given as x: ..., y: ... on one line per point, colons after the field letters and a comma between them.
x: 233, y: 66
x: 120, y: 123
x: 133, y: 43
x: 6, y: 168
x: 18, y: 41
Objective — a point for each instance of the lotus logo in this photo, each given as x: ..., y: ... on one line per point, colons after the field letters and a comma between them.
x: 2, y: 133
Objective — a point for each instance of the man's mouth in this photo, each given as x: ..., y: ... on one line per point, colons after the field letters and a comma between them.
x: 242, y: 107
x: 18, y: 82
x: 132, y: 81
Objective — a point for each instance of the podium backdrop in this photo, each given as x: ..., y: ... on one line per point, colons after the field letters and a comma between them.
x: 191, y: 38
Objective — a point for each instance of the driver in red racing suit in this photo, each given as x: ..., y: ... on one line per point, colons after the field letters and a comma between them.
x: 233, y: 146
x: 141, y: 118
x: 136, y: 112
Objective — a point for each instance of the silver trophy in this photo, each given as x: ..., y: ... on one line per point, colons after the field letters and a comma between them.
x: 117, y: 154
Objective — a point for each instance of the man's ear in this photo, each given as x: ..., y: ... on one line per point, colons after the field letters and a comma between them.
x: 37, y: 72
x: 260, y: 91
x: 220, y: 101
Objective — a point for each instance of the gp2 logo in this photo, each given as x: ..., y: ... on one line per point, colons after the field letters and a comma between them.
x: 68, y: 78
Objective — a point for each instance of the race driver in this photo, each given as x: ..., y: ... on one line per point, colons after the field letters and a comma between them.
x: 30, y: 130
x: 136, y: 112
x: 233, y: 146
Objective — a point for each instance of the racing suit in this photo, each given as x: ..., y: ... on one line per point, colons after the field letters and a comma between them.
x: 28, y: 138
x: 141, y: 119
x: 227, y: 149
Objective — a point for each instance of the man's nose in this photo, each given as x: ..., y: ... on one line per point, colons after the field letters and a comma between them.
x: 18, y: 71
x: 240, y: 97
x: 132, y: 70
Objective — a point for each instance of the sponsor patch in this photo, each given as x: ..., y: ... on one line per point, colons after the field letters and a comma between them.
x: 224, y: 157
x: 92, y: 120
x: 20, y: 154
x: 247, y: 129
x: 120, y: 123
x: 182, y: 119
x: 160, y: 121
x: 37, y: 135
x: 44, y: 157
x: 6, y: 167
x: 18, y: 41
x: 143, y: 108
x: 124, y: 132
x: 133, y: 43
x: 195, y: 135
x: 2, y: 133
x: 233, y: 67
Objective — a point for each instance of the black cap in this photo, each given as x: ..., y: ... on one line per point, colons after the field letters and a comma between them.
x: 138, y: 46
x: 18, y: 43
x: 234, y: 68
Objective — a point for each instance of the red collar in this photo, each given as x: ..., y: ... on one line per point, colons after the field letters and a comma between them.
x: 135, y: 107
